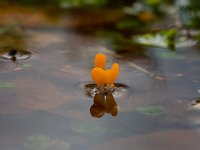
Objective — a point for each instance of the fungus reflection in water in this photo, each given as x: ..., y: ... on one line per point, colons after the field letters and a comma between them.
x: 103, y: 103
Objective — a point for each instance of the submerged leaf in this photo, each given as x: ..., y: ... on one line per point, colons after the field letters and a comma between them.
x: 151, y: 110
x: 38, y: 142
x: 26, y: 66
x: 42, y: 142
x: 88, y: 128
x: 169, y: 55
x: 7, y: 85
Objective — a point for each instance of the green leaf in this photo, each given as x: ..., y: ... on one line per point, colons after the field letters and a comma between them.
x: 130, y: 24
x: 110, y: 34
x: 151, y: 110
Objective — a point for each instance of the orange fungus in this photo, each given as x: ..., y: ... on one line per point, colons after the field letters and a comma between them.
x: 100, y: 60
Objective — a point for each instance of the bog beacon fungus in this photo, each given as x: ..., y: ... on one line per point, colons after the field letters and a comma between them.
x: 104, y: 78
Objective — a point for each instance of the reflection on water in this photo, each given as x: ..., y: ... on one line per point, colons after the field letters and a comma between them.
x: 103, y: 104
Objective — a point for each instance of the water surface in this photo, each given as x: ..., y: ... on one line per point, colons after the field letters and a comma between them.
x: 44, y: 104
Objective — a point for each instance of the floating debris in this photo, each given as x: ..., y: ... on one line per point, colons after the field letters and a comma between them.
x: 14, y: 54
x: 159, y: 78
x: 141, y: 69
x: 196, y: 104
x: 178, y: 75
x: 131, y: 64
x: 26, y: 66
x: 18, y: 69
x: 22, y: 67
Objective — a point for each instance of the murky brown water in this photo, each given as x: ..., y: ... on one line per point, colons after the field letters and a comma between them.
x: 44, y: 104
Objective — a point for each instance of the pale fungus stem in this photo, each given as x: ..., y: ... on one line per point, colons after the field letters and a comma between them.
x: 102, y: 88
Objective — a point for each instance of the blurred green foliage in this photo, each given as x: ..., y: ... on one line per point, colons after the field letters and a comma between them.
x: 164, y: 38
x: 139, y: 16
x: 129, y: 24
x: 83, y: 3
x: 189, y: 13
x: 12, y: 35
x: 72, y: 3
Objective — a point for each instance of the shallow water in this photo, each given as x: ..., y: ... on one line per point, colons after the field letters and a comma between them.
x: 44, y: 104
